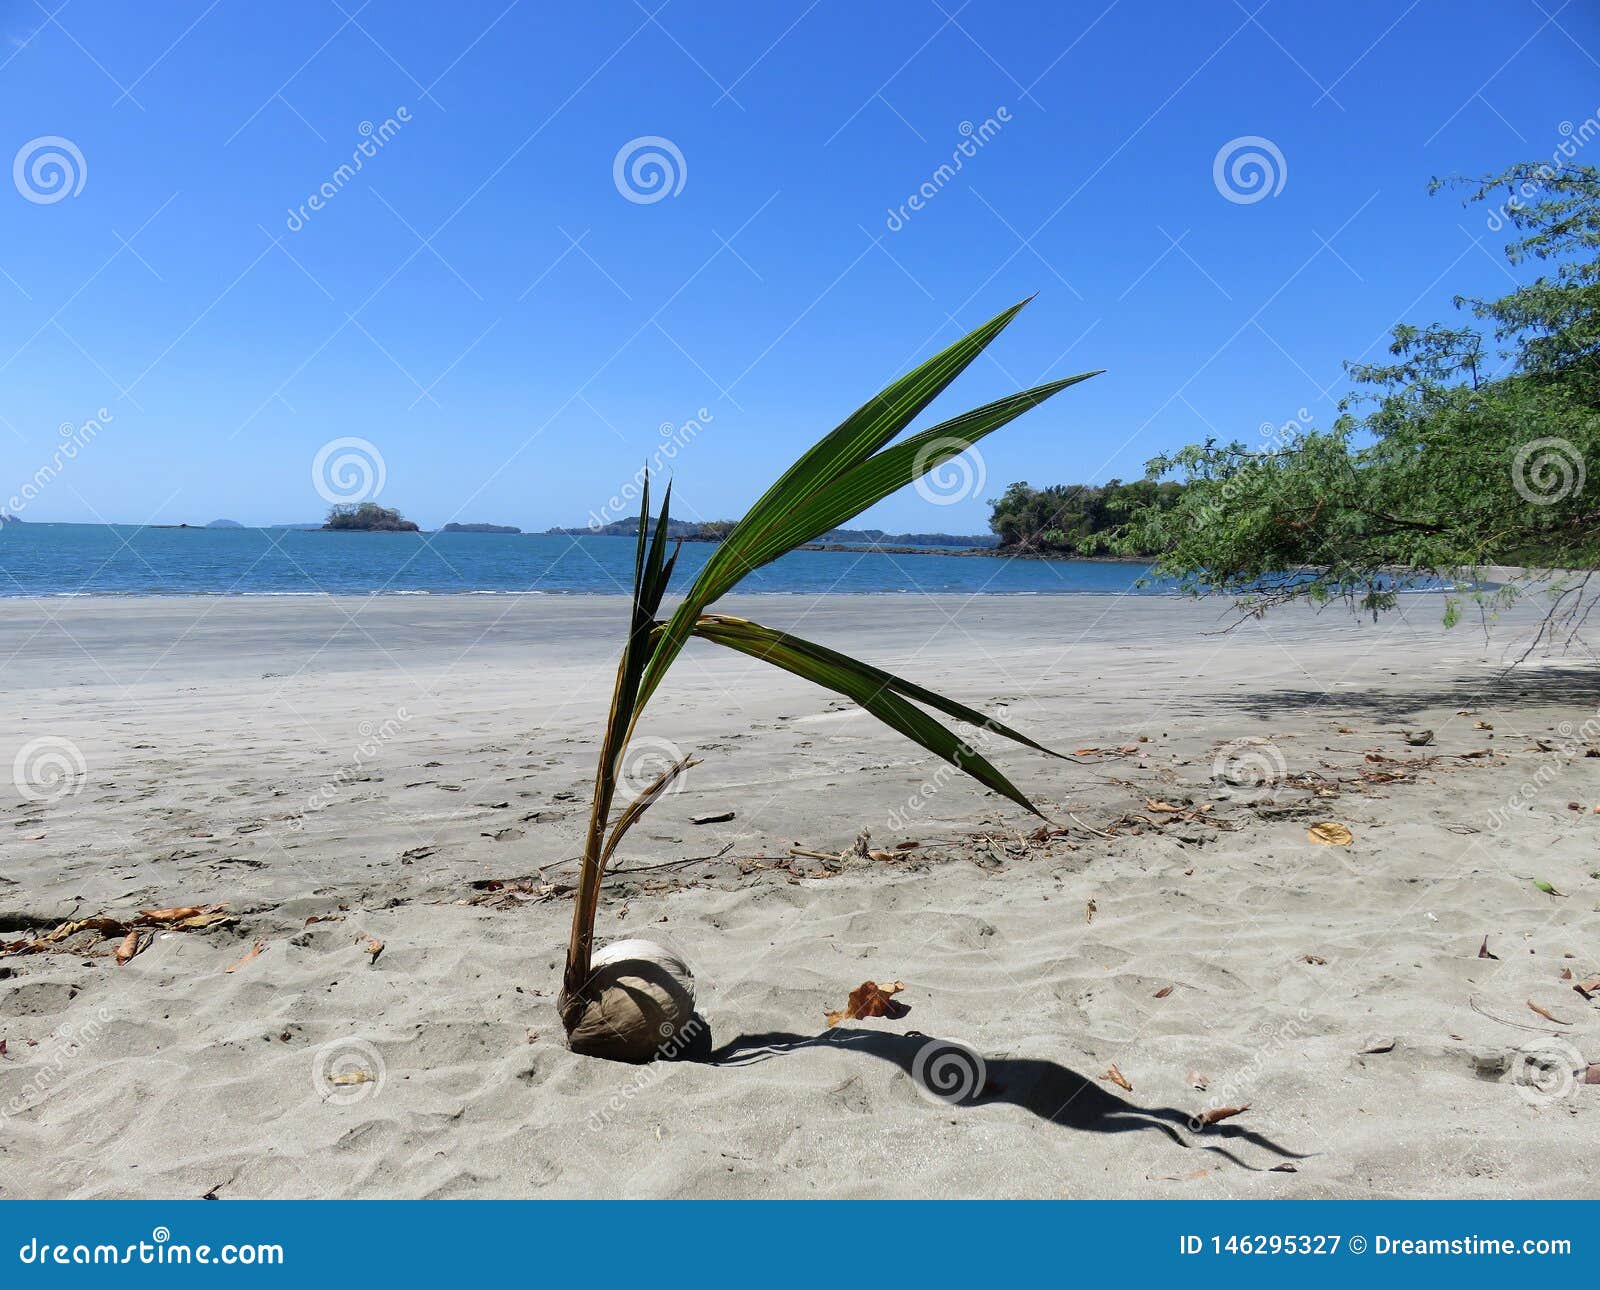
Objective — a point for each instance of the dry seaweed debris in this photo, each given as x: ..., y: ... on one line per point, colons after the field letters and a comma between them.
x: 132, y: 935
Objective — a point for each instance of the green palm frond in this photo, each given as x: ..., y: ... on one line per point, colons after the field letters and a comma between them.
x: 850, y: 469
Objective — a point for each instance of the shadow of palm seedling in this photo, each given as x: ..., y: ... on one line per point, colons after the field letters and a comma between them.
x: 955, y: 1075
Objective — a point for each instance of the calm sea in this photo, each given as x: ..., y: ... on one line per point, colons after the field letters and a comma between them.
x: 118, y: 560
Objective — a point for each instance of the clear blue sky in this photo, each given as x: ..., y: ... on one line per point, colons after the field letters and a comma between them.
x: 438, y: 307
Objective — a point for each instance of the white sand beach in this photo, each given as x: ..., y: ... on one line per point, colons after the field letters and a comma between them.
x: 381, y: 765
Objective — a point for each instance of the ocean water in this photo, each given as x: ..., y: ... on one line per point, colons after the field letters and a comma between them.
x: 122, y: 560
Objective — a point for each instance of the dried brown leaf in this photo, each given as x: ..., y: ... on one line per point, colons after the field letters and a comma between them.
x: 869, y: 999
x: 171, y: 915
x: 1217, y: 1114
x: 1163, y: 992
x: 132, y: 944
x: 372, y: 945
x: 1547, y: 1015
x: 1330, y: 833
x: 255, y: 951
x: 1197, y: 1080
x: 1116, y: 1077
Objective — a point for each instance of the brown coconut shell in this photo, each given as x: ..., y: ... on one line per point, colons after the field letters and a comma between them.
x: 638, y: 999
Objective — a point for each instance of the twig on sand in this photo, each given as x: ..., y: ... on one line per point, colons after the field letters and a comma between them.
x: 1090, y: 827
x: 670, y: 864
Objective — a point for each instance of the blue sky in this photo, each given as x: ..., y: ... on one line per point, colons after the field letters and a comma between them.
x: 485, y: 305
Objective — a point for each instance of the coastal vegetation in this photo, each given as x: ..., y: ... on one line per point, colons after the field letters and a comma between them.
x: 636, y: 998
x: 367, y: 517
x: 1468, y: 447
x: 481, y: 528
x: 1068, y: 519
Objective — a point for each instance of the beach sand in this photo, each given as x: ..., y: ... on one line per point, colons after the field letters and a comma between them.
x: 382, y: 763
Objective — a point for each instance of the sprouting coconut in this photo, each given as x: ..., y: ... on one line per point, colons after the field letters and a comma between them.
x: 634, y: 999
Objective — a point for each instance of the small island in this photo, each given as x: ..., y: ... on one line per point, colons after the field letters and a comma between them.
x: 224, y: 524
x: 480, y: 528
x: 367, y: 517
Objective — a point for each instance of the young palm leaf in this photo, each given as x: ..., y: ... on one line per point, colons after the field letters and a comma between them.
x: 634, y: 1004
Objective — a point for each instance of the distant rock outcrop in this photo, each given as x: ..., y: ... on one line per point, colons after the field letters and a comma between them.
x: 479, y: 528
x: 224, y: 524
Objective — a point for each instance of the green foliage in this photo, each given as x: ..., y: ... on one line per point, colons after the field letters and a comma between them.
x: 1470, y: 447
x: 368, y: 517
x: 845, y: 472
x: 1062, y: 519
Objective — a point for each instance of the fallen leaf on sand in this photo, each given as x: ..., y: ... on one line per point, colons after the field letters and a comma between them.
x: 1385, y: 1045
x: 715, y: 817
x: 372, y: 945
x: 1588, y: 989
x: 324, y: 918
x: 132, y: 944
x: 1482, y: 725
x: 255, y: 950
x: 1217, y: 1114
x: 1151, y: 804
x: 1163, y: 992
x: 1566, y: 974
x: 1287, y: 1167
x: 869, y: 999
x: 1330, y: 833
x: 351, y: 1077
x: 171, y: 915
x: 1592, y: 1075
x: 1197, y: 1080
x: 1088, y: 912
x: 1545, y: 887
x: 1483, y: 950
x: 1117, y: 1078
x: 1548, y: 1016
x: 1316, y: 960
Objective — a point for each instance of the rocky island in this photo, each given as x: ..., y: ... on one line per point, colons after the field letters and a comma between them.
x: 367, y: 517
